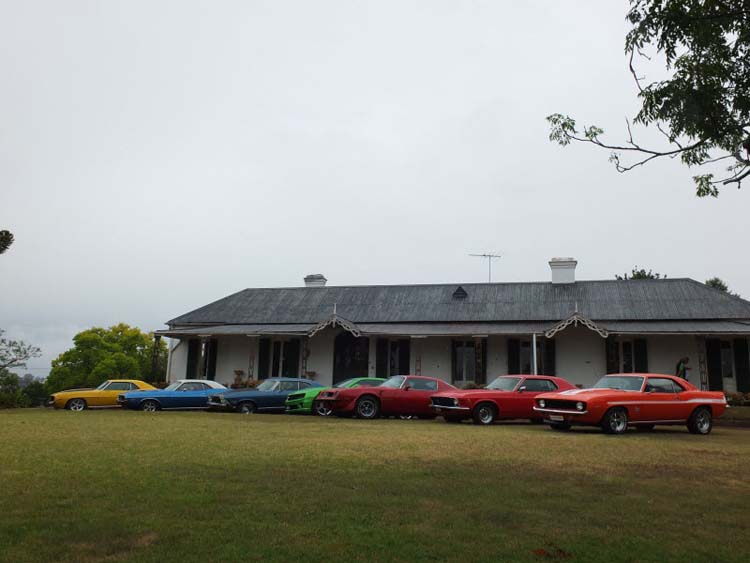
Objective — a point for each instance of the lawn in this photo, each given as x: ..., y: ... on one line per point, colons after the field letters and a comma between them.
x: 133, y: 486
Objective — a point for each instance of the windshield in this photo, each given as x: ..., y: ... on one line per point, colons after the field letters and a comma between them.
x: 267, y: 385
x: 619, y: 382
x: 102, y: 385
x: 504, y: 383
x: 394, y: 381
x: 172, y: 386
x: 344, y: 383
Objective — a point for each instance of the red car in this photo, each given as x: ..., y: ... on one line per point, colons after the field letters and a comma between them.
x: 509, y: 396
x: 400, y: 395
x: 641, y: 400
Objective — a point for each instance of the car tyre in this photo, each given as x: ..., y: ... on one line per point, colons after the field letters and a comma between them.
x: 248, y: 407
x: 149, y: 406
x: 561, y: 427
x: 701, y: 421
x: 484, y: 414
x: 321, y: 409
x: 368, y: 407
x: 77, y: 405
x: 615, y: 421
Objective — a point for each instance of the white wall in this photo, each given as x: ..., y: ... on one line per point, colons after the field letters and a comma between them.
x: 320, y: 359
x: 435, y: 356
x: 580, y: 355
x: 497, y: 357
x: 178, y: 361
x: 234, y: 352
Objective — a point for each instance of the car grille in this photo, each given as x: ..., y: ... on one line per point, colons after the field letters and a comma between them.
x: 296, y: 397
x: 444, y: 402
x: 559, y: 404
x: 214, y: 398
x: 327, y: 394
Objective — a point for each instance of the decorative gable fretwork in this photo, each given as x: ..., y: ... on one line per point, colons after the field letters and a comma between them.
x: 575, y: 319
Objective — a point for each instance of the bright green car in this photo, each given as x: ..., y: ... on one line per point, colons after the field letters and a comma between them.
x: 303, y: 402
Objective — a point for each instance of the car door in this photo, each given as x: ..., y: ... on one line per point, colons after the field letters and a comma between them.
x: 659, y: 401
x: 278, y: 396
x: 193, y: 395
x: 416, y: 396
x: 107, y: 397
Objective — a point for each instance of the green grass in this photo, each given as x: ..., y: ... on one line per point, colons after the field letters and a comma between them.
x: 129, y: 486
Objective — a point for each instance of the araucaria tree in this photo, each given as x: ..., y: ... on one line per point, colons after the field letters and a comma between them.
x: 701, y: 106
x: 120, y: 351
x: 6, y: 239
x: 639, y: 274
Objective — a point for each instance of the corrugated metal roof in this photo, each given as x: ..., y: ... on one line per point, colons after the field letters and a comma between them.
x: 676, y: 327
x: 632, y: 300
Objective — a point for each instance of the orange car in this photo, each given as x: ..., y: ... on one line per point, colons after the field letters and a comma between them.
x: 103, y: 396
x: 639, y: 400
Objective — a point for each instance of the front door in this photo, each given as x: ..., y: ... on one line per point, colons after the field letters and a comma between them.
x: 350, y: 357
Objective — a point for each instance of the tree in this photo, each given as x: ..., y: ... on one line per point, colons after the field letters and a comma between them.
x: 6, y: 239
x: 99, y: 354
x: 15, y: 353
x: 721, y: 285
x: 639, y: 274
x: 702, y: 107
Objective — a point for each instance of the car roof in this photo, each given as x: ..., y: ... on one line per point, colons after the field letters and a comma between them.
x: 126, y: 380
x: 288, y: 379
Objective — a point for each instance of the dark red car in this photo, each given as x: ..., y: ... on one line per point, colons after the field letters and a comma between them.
x: 509, y: 396
x: 400, y: 395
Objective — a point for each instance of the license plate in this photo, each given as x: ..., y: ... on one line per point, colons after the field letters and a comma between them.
x: 556, y: 417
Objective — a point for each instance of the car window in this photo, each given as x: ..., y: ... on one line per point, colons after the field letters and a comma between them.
x: 539, y: 385
x: 133, y: 387
x: 192, y: 386
x: 119, y: 386
x: 661, y: 385
x: 422, y: 384
x: 304, y: 385
x: 368, y: 383
x: 287, y: 386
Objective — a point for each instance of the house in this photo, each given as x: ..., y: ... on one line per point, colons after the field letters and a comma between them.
x: 468, y: 333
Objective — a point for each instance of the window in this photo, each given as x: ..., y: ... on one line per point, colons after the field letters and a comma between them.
x: 422, y: 384
x: 504, y: 383
x: 661, y: 385
x: 288, y: 386
x: 393, y: 382
x: 623, y: 383
x: 119, y: 386
x: 303, y: 385
x: 539, y: 385
x: 192, y: 386
x: 469, y: 361
x: 368, y: 383
x: 633, y: 356
x: 521, y: 356
x: 133, y: 387
x: 267, y: 385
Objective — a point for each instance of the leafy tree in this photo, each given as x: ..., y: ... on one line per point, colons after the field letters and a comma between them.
x: 702, y: 106
x: 639, y: 274
x: 20, y: 392
x: 120, y: 351
x: 6, y: 239
x: 15, y: 353
x: 721, y: 285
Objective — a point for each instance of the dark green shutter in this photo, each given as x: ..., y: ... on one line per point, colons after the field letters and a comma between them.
x: 194, y: 351
x: 404, y: 357
x: 742, y: 365
x: 514, y: 356
x: 548, y: 357
x: 482, y: 374
x: 612, y: 352
x: 640, y: 353
x: 713, y: 364
x: 264, y: 356
x: 454, y: 360
x: 381, y: 358
x: 212, y: 349
x: 291, y: 358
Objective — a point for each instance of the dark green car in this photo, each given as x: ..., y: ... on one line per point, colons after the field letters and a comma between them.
x: 303, y: 402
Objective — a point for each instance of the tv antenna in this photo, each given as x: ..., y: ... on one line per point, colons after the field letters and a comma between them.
x: 489, y: 258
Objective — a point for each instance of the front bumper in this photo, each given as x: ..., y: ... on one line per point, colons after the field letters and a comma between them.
x: 561, y: 416
x: 298, y: 407
x: 220, y: 406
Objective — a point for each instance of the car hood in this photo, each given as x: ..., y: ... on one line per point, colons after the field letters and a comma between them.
x: 468, y: 393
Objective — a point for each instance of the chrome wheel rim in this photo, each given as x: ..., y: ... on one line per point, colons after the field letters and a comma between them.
x: 149, y: 406
x: 77, y: 405
x: 322, y: 409
x: 366, y: 408
x: 618, y: 421
x: 485, y: 415
x: 247, y: 409
x: 703, y: 422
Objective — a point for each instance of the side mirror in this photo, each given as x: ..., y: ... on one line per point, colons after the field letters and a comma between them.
x: 522, y: 389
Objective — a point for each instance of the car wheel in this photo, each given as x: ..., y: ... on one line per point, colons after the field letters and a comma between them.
x: 560, y: 427
x: 484, y: 413
x: 701, y: 421
x: 149, y: 406
x: 367, y: 408
x: 615, y: 421
x: 76, y: 405
x: 645, y: 427
x: 321, y: 409
x: 247, y: 408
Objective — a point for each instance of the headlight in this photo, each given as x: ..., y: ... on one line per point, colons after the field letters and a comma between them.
x: 542, y: 403
x: 580, y: 406
x: 455, y: 402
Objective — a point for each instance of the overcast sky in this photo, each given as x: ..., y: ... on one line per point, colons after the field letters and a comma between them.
x: 155, y: 156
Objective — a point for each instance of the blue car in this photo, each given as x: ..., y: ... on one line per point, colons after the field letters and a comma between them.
x: 182, y: 394
x: 269, y: 396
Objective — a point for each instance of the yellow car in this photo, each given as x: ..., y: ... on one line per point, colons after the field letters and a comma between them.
x: 103, y: 396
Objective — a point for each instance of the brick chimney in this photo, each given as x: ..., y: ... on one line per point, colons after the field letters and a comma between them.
x: 315, y: 280
x: 563, y: 270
